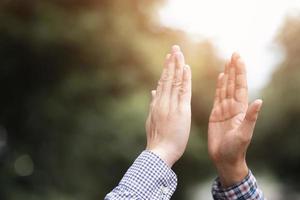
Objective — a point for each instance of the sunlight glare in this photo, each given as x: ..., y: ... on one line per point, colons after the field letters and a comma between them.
x: 246, y: 26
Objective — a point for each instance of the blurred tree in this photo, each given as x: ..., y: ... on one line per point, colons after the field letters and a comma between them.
x: 278, y: 138
x: 75, y: 78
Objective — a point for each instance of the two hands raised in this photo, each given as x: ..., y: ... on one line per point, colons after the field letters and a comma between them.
x: 231, y: 123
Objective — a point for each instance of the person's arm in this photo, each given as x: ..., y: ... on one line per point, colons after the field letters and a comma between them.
x: 149, y: 177
x: 168, y: 128
x: 231, y: 127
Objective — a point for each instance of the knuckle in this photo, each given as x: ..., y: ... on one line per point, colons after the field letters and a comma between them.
x: 166, y: 77
x: 241, y: 86
x: 161, y: 111
x: 164, y: 80
x: 183, y: 91
x: 176, y: 83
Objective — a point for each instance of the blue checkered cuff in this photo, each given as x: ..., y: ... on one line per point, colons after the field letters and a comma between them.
x: 149, y: 177
x: 245, y: 190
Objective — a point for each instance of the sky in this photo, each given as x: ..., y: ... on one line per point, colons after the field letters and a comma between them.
x: 245, y: 26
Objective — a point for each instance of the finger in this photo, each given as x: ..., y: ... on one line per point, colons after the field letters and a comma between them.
x: 175, y: 48
x: 223, y: 90
x: 231, y: 83
x: 167, y: 78
x: 232, y: 76
x: 227, y: 67
x: 163, y: 74
x: 235, y: 56
x: 178, y: 78
x: 241, y: 87
x: 186, y: 90
x: 226, y: 111
x: 218, y: 89
x: 253, y: 110
x: 148, y: 121
x: 248, y: 124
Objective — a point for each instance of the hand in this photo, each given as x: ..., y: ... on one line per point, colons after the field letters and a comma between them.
x: 169, y: 119
x: 232, y: 123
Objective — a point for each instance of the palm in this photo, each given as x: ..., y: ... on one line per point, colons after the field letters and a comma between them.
x: 222, y: 122
x: 229, y: 110
x: 224, y: 132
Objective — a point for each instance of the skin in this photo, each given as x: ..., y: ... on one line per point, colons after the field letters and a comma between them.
x: 232, y: 123
x: 169, y: 120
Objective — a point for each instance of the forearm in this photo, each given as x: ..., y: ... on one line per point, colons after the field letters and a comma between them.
x: 149, y: 177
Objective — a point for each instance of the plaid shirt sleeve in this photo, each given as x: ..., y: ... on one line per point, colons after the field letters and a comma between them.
x: 149, y: 177
x: 245, y: 190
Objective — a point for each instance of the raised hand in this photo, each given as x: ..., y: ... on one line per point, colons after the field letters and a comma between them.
x: 232, y: 123
x: 169, y: 119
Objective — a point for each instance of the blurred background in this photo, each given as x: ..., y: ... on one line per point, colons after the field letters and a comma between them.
x: 75, y: 82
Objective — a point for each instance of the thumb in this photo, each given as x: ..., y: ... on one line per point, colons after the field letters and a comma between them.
x: 153, y: 95
x: 249, y: 122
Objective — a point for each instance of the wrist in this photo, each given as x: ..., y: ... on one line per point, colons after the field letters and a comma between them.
x: 232, y: 173
x: 166, y: 157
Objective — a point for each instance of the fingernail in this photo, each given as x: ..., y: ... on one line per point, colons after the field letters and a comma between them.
x: 179, y: 56
x: 221, y: 75
x: 259, y: 102
x: 236, y: 55
x: 175, y: 48
x: 153, y: 92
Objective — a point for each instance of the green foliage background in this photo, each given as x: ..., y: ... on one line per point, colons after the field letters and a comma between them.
x: 75, y: 82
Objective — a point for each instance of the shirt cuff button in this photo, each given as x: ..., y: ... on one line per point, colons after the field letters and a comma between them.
x: 164, y: 190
